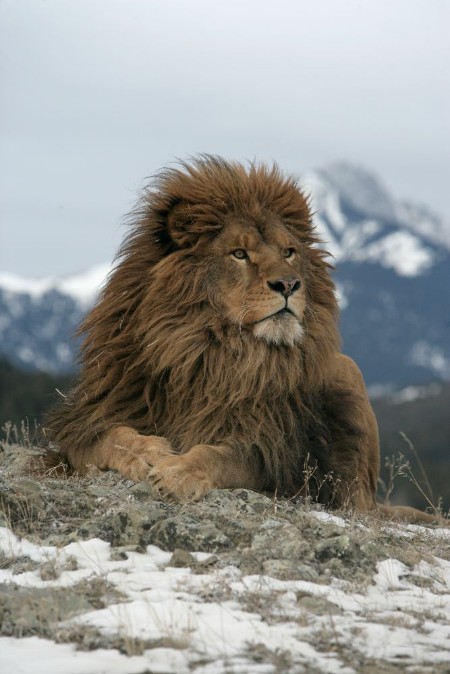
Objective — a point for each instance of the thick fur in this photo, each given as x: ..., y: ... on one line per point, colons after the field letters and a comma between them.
x: 193, y: 377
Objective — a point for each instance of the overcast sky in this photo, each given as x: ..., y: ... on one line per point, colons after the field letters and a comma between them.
x: 98, y: 94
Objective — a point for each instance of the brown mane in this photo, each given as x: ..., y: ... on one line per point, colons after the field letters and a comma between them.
x: 153, y: 337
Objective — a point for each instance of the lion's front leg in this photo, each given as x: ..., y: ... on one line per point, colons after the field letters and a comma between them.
x: 191, y: 475
x: 125, y: 450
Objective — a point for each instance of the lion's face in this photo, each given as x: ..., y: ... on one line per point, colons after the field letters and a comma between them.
x: 255, y: 278
x: 242, y: 243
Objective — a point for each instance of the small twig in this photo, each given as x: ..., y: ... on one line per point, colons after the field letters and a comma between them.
x: 414, y: 452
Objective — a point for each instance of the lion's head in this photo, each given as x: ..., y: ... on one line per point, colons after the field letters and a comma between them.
x: 245, y: 243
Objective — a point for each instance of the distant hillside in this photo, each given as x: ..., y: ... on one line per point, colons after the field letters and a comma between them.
x: 424, y: 420
x: 25, y: 396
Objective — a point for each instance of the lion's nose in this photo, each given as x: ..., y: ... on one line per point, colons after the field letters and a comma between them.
x: 285, y: 286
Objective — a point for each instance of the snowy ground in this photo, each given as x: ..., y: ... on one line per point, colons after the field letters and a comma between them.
x: 179, y: 613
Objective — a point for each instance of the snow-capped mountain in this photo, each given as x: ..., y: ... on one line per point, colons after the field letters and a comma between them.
x: 393, y: 275
x: 38, y: 317
x: 360, y: 222
x: 392, y: 272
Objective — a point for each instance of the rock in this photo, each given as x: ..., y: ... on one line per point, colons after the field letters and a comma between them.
x: 27, y: 487
x: 97, y: 490
x: 33, y: 610
x: 235, y: 502
x: 188, y: 534
x: 181, y: 558
x: 280, y: 541
x: 141, y: 490
x: 318, y: 605
x: 128, y: 526
x: 337, y: 546
x: 286, y: 569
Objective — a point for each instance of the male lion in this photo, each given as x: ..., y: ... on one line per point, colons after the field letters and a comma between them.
x: 212, y: 357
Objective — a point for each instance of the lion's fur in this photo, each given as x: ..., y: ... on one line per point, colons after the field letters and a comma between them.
x: 160, y: 358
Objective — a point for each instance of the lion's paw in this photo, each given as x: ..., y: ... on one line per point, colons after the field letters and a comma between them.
x: 143, y: 452
x: 176, y: 478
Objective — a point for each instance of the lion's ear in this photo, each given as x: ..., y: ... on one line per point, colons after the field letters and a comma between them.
x: 180, y: 221
x: 186, y: 222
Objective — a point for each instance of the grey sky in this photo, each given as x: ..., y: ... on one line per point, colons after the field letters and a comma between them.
x: 98, y: 94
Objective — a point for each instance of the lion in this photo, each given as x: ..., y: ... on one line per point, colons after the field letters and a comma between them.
x: 212, y: 356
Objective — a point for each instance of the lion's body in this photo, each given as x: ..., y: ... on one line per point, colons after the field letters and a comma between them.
x: 212, y: 357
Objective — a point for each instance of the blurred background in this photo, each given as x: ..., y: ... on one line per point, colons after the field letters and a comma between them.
x: 351, y: 96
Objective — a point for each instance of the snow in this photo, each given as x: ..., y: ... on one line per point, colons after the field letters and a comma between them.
x: 82, y: 287
x: 342, y: 297
x: 423, y: 221
x: 431, y: 357
x: 394, y: 618
x: 401, y: 251
x: 33, y: 655
x: 411, y: 393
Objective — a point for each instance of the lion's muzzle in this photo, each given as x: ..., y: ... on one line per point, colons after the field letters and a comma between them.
x: 285, y: 286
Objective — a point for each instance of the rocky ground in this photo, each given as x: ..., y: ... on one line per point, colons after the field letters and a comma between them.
x: 98, y: 576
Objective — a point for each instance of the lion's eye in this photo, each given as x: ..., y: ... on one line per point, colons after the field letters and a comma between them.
x: 288, y: 252
x: 239, y: 253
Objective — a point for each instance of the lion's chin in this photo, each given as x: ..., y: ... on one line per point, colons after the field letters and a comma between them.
x: 286, y: 330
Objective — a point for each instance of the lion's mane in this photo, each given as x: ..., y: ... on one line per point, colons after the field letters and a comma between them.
x: 158, y: 357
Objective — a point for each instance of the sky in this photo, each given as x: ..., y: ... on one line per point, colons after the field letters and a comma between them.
x: 97, y: 95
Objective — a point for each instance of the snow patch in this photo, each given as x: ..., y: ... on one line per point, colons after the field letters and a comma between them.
x: 411, y: 393
x: 431, y: 357
x: 342, y: 297
x: 401, y: 251
x: 425, y: 222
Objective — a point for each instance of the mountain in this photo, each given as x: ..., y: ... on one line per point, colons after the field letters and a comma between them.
x: 361, y: 222
x: 393, y: 276
x: 38, y: 318
x: 392, y: 263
